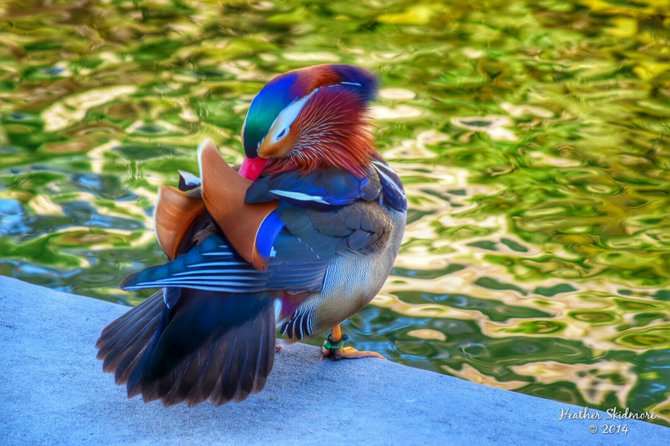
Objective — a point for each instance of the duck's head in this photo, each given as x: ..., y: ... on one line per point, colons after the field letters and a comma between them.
x: 308, y: 119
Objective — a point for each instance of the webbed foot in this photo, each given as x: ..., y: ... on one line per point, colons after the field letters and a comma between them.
x: 333, y: 348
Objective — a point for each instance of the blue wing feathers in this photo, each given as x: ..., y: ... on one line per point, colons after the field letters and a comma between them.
x: 329, y: 187
x: 214, y: 266
x: 267, y: 234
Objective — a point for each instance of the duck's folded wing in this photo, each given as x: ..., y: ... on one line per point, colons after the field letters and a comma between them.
x: 215, y: 266
x: 362, y: 227
x: 331, y: 210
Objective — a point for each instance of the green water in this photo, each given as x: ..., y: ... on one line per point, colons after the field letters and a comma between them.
x: 533, y: 139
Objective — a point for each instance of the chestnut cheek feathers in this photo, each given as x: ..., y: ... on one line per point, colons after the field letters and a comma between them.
x: 279, y: 149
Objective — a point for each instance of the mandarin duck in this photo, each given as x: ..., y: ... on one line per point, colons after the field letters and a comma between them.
x: 299, y: 239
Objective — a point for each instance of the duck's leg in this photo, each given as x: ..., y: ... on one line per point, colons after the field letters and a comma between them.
x: 334, y: 348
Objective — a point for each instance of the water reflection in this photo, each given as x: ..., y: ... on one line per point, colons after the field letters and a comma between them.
x: 532, y: 139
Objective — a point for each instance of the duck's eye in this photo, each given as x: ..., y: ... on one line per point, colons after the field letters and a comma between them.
x: 281, y: 134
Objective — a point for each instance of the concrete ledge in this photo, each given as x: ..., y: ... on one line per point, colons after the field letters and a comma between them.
x: 53, y: 391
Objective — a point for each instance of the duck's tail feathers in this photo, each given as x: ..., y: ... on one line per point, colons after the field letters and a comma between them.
x: 123, y: 342
x: 210, y: 346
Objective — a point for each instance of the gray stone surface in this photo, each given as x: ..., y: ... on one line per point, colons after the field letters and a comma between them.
x: 53, y: 391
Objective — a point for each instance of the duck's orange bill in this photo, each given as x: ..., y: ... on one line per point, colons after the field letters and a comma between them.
x: 175, y: 213
x: 223, y: 192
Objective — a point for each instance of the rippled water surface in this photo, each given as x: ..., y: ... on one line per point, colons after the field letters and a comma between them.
x: 533, y: 139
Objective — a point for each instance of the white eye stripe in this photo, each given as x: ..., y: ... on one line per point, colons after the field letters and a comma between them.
x: 280, y: 127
